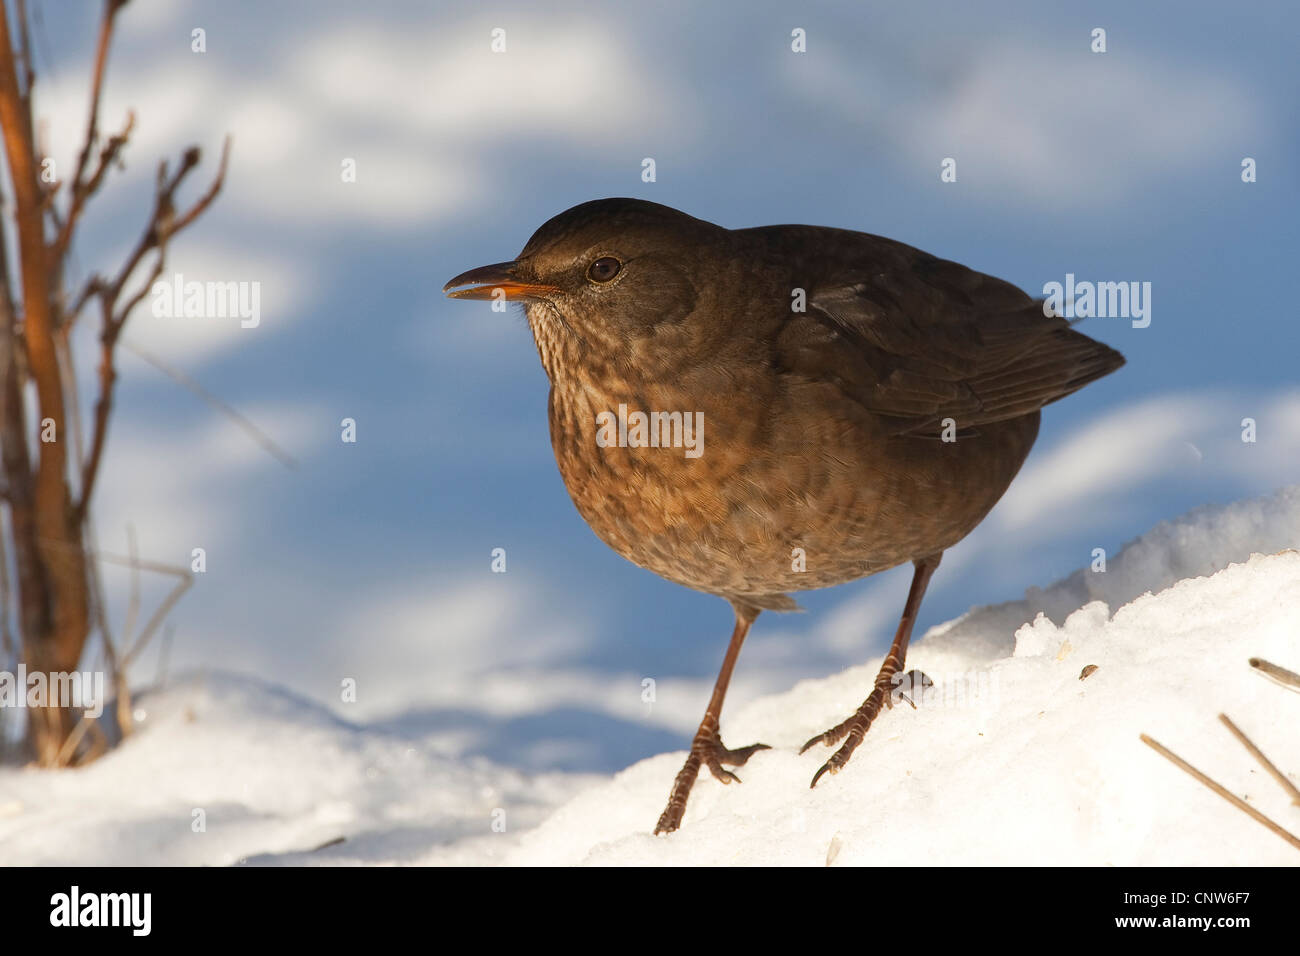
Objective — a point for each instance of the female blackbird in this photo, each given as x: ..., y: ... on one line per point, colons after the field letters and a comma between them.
x: 750, y: 412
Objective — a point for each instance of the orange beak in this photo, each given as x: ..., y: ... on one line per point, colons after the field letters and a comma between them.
x: 484, y: 281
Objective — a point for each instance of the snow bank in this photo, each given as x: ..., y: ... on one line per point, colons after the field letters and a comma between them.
x: 1030, y: 764
x: 1041, y: 768
x: 275, y: 776
x: 1011, y: 759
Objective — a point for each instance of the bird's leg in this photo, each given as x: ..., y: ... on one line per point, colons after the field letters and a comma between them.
x: 707, y: 748
x: 856, y: 726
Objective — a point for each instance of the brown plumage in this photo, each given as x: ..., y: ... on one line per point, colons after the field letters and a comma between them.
x: 864, y: 404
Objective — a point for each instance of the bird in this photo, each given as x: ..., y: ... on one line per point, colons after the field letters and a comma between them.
x: 758, y: 411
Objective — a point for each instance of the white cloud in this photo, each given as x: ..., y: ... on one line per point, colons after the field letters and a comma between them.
x: 477, y: 644
x: 1060, y: 130
x: 1165, y: 438
x: 564, y: 78
x: 283, y: 298
x: 1131, y: 444
x: 184, y: 488
x: 416, y: 111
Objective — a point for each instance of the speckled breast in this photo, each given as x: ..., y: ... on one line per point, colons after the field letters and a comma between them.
x: 750, y: 506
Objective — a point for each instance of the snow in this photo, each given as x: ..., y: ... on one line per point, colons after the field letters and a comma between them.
x: 276, y: 775
x: 1010, y: 758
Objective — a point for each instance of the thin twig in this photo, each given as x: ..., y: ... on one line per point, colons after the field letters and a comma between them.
x: 83, y: 191
x: 143, y: 563
x: 101, y: 603
x: 80, y: 188
x: 98, y: 746
x: 121, y: 662
x: 165, y: 223
x: 239, y: 419
x: 159, y: 615
x: 1258, y: 754
x: 1286, y: 678
x: 96, y: 86
x: 91, y: 544
x: 70, y: 745
x: 6, y: 637
x: 162, y: 225
x: 133, y: 600
x: 206, y: 199
x: 1232, y: 798
x: 185, y: 580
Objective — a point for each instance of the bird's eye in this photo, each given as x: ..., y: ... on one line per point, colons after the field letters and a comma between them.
x: 604, y: 269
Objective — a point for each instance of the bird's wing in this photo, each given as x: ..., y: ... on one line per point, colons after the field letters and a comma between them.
x: 933, y: 340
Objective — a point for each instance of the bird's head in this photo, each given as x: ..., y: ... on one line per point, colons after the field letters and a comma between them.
x: 608, y: 277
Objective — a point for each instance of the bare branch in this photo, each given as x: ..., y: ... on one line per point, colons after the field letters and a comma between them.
x: 206, y: 199
x: 84, y: 190
x: 49, y: 536
x: 96, y: 86
x: 103, y: 405
x: 94, y: 286
x: 99, y: 604
x: 162, y: 225
x: 54, y: 600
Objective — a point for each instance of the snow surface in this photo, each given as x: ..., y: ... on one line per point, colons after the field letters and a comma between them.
x: 1011, y: 759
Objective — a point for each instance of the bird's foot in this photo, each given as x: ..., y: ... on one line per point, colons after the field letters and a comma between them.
x: 706, y: 750
x: 855, y: 728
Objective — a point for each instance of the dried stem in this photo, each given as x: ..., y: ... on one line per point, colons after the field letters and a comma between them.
x: 1288, y: 679
x: 1258, y: 754
x: 120, y: 663
x: 1232, y: 798
x: 249, y: 428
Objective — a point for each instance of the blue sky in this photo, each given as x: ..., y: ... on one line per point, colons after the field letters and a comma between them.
x: 372, y: 560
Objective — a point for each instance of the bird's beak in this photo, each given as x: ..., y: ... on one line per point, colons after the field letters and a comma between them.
x: 485, y: 280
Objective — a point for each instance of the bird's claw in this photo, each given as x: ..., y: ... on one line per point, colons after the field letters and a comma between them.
x: 855, y: 728
x: 716, y: 755
x: 706, y: 750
